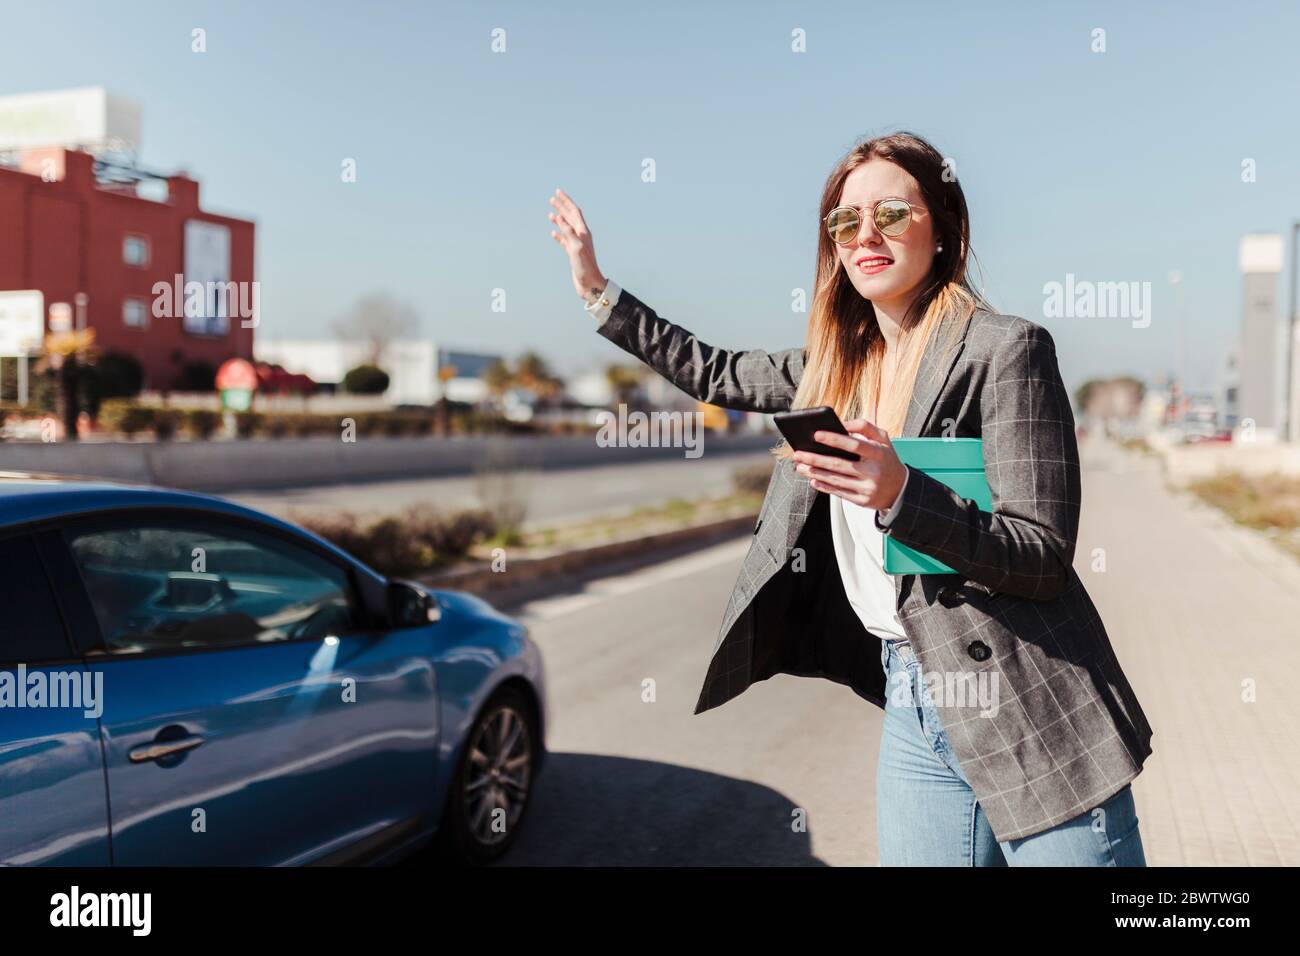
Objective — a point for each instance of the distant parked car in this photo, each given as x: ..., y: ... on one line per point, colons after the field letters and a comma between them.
x: 184, y: 681
x: 1195, y: 432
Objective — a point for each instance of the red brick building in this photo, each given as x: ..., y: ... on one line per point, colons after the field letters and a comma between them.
x: 66, y: 231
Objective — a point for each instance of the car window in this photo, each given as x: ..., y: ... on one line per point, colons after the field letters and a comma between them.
x: 30, y: 627
x: 181, y: 585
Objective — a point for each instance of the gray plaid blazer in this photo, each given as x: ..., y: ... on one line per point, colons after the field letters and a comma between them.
x: 1067, y: 731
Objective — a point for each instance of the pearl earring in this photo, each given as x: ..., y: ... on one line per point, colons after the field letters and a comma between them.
x: 938, y: 249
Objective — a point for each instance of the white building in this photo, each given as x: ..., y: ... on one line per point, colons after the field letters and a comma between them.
x: 1263, y: 335
x: 412, y: 366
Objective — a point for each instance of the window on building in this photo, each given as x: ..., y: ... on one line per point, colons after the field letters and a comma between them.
x: 135, y: 313
x: 135, y: 251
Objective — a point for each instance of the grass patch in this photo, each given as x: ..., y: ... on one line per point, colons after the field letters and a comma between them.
x: 1268, y: 503
x: 644, y: 520
x: 1138, y: 445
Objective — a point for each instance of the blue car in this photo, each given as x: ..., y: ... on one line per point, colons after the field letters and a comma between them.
x: 184, y: 681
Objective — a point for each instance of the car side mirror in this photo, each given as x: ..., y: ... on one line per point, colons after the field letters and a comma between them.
x: 410, y: 605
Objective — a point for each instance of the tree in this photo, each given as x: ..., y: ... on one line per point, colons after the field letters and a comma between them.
x: 532, y: 372
x: 1083, y: 394
x: 67, y: 353
x: 377, y: 319
x: 498, y: 377
x: 117, y: 375
x: 1107, y: 399
x: 624, y: 380
x: 198, y: 376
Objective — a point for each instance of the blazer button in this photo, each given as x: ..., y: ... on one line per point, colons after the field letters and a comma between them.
x: 979, y: 650
x: 948, y: 596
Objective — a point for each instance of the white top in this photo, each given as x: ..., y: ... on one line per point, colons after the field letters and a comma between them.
x: 859, y: 550
x: 858, y: 543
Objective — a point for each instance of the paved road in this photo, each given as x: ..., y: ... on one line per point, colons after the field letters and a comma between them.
x: 1195, y: 607
x: 637, y: 782
x: 552, y: 495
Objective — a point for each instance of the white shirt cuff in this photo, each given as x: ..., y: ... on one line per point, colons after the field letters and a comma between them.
x: 884, y: 518
x: 605, y: 304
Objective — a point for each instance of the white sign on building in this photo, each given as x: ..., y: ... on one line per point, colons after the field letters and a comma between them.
x: 22, y: 322
x: 207, y: 261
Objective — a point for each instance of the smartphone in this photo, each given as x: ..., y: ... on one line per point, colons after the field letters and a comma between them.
x: 799, y: 425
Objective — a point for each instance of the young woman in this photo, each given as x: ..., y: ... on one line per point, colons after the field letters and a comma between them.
x: 1010, y: 733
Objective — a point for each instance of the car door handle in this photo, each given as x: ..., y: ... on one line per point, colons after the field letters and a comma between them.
x: 162, y: 748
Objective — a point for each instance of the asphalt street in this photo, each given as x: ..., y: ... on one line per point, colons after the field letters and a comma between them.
x: 781, y: 775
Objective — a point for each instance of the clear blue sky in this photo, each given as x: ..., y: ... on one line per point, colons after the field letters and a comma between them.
x: 1115, y: 166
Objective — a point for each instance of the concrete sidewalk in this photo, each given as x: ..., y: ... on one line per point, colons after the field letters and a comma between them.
x: 1205, y: 618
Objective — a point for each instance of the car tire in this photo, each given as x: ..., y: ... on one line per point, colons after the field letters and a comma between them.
x: 471, y: 831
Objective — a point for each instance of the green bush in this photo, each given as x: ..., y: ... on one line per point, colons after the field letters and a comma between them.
x: 248, y: 424
x: 201, y: 422
x: 366, y: 380
x: 42, y: 387
x: 275, y: 426
x: 126, y: 417
x: 116, y: 375
x: 165, y: 422
x: 196, y: 377
x: 129, y: 417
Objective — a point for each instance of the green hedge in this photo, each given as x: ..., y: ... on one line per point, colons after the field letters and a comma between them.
x: 128, y: 417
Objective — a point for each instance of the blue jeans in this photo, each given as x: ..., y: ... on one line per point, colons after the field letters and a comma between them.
x: 926, y: 811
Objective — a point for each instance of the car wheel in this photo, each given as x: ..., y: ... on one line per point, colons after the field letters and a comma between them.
x: 493, y: 783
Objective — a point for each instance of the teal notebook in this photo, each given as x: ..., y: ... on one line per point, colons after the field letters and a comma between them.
x: 959, y: 464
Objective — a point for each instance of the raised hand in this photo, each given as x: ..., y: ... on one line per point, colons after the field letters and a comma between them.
x: 572, y: 234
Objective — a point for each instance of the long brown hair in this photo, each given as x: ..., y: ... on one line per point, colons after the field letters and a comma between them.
x: 844, y: 344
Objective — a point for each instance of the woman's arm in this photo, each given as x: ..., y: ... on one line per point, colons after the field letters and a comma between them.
x: 750, y: 380
x: 1025, y: 545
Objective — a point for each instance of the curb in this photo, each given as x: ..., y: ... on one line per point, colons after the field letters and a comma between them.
x: 530, y: 573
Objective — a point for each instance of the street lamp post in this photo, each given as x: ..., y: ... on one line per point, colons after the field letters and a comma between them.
x: 1291, y: 407
x: 1176, y: 280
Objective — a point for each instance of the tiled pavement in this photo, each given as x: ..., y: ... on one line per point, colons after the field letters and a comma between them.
x: 1203, y: 615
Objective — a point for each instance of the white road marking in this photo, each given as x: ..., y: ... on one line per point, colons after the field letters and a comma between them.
x: 604, y: 589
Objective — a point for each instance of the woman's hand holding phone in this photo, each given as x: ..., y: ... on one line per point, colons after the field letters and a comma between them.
x: 873, y: 481
x: 572, y: 233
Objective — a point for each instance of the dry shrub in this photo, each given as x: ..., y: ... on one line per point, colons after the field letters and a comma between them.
x: 752, y: 479
x: 416, y: 539
x: 500, y: 490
